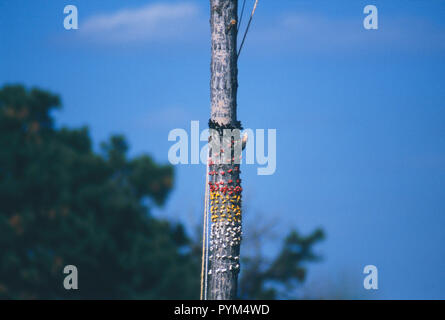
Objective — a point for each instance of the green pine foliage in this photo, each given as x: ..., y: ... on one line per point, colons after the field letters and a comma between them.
x: 62, y: 203
x: 280, y: 277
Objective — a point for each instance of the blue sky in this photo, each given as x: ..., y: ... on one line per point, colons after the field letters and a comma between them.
x: 359, y: 115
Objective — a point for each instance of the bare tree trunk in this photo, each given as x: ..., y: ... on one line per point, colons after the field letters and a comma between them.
x: 225, y: 183
x: 224, y: 66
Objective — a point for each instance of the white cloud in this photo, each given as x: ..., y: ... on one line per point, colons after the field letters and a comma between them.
x: 172, y: 24
x: 154, y: 22
x: 321, y: 34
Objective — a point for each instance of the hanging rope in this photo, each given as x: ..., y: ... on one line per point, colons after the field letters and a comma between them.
x: 205, y: 247
x: 248, y: 26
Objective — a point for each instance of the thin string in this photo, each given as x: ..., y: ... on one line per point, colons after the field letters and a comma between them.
x: 242, y: 14
x: 203, y: 295
x: 248, y: 26
x: 207, y: 247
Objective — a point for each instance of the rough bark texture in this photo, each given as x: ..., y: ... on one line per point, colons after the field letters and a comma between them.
x: 225, y: 183
x: 224, y: 68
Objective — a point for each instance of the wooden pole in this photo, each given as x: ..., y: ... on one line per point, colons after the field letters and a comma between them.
x: 224, y: 175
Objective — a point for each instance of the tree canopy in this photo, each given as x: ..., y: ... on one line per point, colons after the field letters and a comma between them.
x: 62, y: 203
